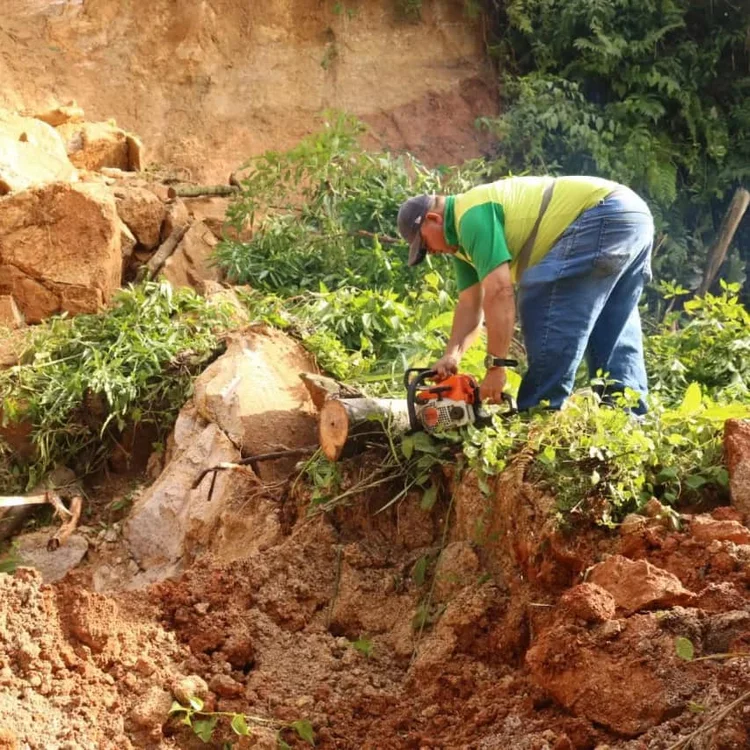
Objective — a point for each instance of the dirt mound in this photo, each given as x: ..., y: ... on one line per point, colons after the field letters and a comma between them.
x: 339, y: 623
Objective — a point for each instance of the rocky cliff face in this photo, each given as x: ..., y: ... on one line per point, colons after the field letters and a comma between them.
x: 208, y: 83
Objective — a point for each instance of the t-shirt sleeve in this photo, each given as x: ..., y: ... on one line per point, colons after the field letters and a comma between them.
x: 482, y: 236
x: 466, y: 276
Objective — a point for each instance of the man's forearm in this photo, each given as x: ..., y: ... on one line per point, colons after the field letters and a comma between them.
x: 500, y: 313
x: 467, y: 320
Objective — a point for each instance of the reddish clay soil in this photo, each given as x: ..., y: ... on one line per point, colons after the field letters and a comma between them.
x: 581, y: 659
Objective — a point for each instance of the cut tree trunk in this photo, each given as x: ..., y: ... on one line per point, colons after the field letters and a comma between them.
x: 729, y: 224
x: 347, y: 425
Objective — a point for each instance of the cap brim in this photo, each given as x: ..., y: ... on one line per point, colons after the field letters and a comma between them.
x: 417, y: 251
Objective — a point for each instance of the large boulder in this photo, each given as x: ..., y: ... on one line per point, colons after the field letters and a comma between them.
x: 94, y: 145
x: 253, y: 392
x: 172, y: 521
x: 31, y: 153
x: 59, y: 249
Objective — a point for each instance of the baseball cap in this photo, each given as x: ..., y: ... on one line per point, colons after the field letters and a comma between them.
x: 410, y: 218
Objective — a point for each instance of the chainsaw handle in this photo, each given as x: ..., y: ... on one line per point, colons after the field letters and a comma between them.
x: 411, y: 385
x: 423, y: 373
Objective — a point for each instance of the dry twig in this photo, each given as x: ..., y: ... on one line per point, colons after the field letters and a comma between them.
x: 685, y: 742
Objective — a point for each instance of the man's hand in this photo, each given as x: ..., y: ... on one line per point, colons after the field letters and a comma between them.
x: 445, y: 366
x: 491, y: 388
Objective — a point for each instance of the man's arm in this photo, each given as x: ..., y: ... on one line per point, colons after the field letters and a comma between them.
x: 467, y: 319
x: 500, y: 314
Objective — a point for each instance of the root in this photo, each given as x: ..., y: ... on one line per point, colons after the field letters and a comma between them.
x: 685, y: 742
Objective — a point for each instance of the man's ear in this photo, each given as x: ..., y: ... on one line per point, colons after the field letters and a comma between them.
x: 434, y: 216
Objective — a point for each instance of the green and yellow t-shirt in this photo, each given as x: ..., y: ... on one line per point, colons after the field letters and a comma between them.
x: 490, y: 223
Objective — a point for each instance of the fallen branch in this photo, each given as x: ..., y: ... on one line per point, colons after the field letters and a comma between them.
x: 242, y: 464
x: 160, y: 257
x: 197, y: 191
x: 718, y: 251
x: 14, y: 501
x: 62, y: 534
x: 717, y: 719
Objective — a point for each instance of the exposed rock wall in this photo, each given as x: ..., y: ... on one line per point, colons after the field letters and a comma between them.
x: 208, y: 83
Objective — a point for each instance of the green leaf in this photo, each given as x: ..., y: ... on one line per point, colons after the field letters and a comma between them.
x: 364, y: 646
x: 177, y: 706
x: 239, y: 725
x: 684, y: 648
x: 305, y: 731
x: 204, y: 728
x: 419, y: 571
x: 429, y: 497
x: 691, y: 402
x: 196, y: 703
x: 282, y: 745
x: 407, y: 446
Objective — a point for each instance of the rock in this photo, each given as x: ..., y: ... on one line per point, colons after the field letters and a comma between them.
x: 637, y: 585
x: 587, y: 678
x: 253, y: 393
x: 143, y: 212
x: 152, y: 709
x: 239, y: 651
x: 61, y: 114
x: 720, y: 597
x: 127, y: 242
x: 171, y: 519
x: 10, y: 315
x: 457, y: 567
x: 34, y: 133
x: 225, y: 687
x: 632, y: 524
x: 737, y: 451
x: 191, y: 263
x: 31, y: 154
x: 185, y: 688
x: 706, y: 529
x: 176, y: 217
x: 23, y: 166
x: 59, y: 249
x: 589, y: 602
x: 32, y: 549
x: 93, y: 145
x: 227, y: 301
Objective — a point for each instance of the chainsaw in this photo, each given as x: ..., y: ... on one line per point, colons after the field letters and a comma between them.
x: 447, y: 404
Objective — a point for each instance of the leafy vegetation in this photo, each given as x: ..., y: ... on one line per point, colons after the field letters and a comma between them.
x: 368, y: 319
x: 82, y: 381
x: 652, y: 93
x: 204, y: 723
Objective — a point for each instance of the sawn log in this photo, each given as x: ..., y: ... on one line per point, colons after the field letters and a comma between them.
x: 347, y: 425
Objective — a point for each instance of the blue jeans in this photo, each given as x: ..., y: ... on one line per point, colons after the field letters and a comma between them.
x: 582, y: 298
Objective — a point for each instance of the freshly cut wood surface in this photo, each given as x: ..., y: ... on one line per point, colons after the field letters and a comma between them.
x: 346, y: 425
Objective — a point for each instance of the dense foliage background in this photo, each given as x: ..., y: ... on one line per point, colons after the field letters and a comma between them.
x: 652, y: 93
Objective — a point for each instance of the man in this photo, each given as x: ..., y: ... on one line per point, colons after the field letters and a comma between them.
x: 579, y: 249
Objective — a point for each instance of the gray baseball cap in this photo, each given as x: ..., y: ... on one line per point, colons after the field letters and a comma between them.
x: 410, y: 218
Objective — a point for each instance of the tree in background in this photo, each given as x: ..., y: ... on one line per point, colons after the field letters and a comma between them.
x: 652, y: 93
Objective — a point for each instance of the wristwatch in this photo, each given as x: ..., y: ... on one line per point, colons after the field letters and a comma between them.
x: 490, y: 361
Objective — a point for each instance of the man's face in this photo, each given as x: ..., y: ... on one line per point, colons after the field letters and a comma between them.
x: 433, y: 235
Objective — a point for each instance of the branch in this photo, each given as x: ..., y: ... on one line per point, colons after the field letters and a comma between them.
x: 718, y: 718
x: 718, y: 252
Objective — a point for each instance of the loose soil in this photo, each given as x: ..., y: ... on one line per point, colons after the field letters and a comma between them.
x: 502, y: 661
